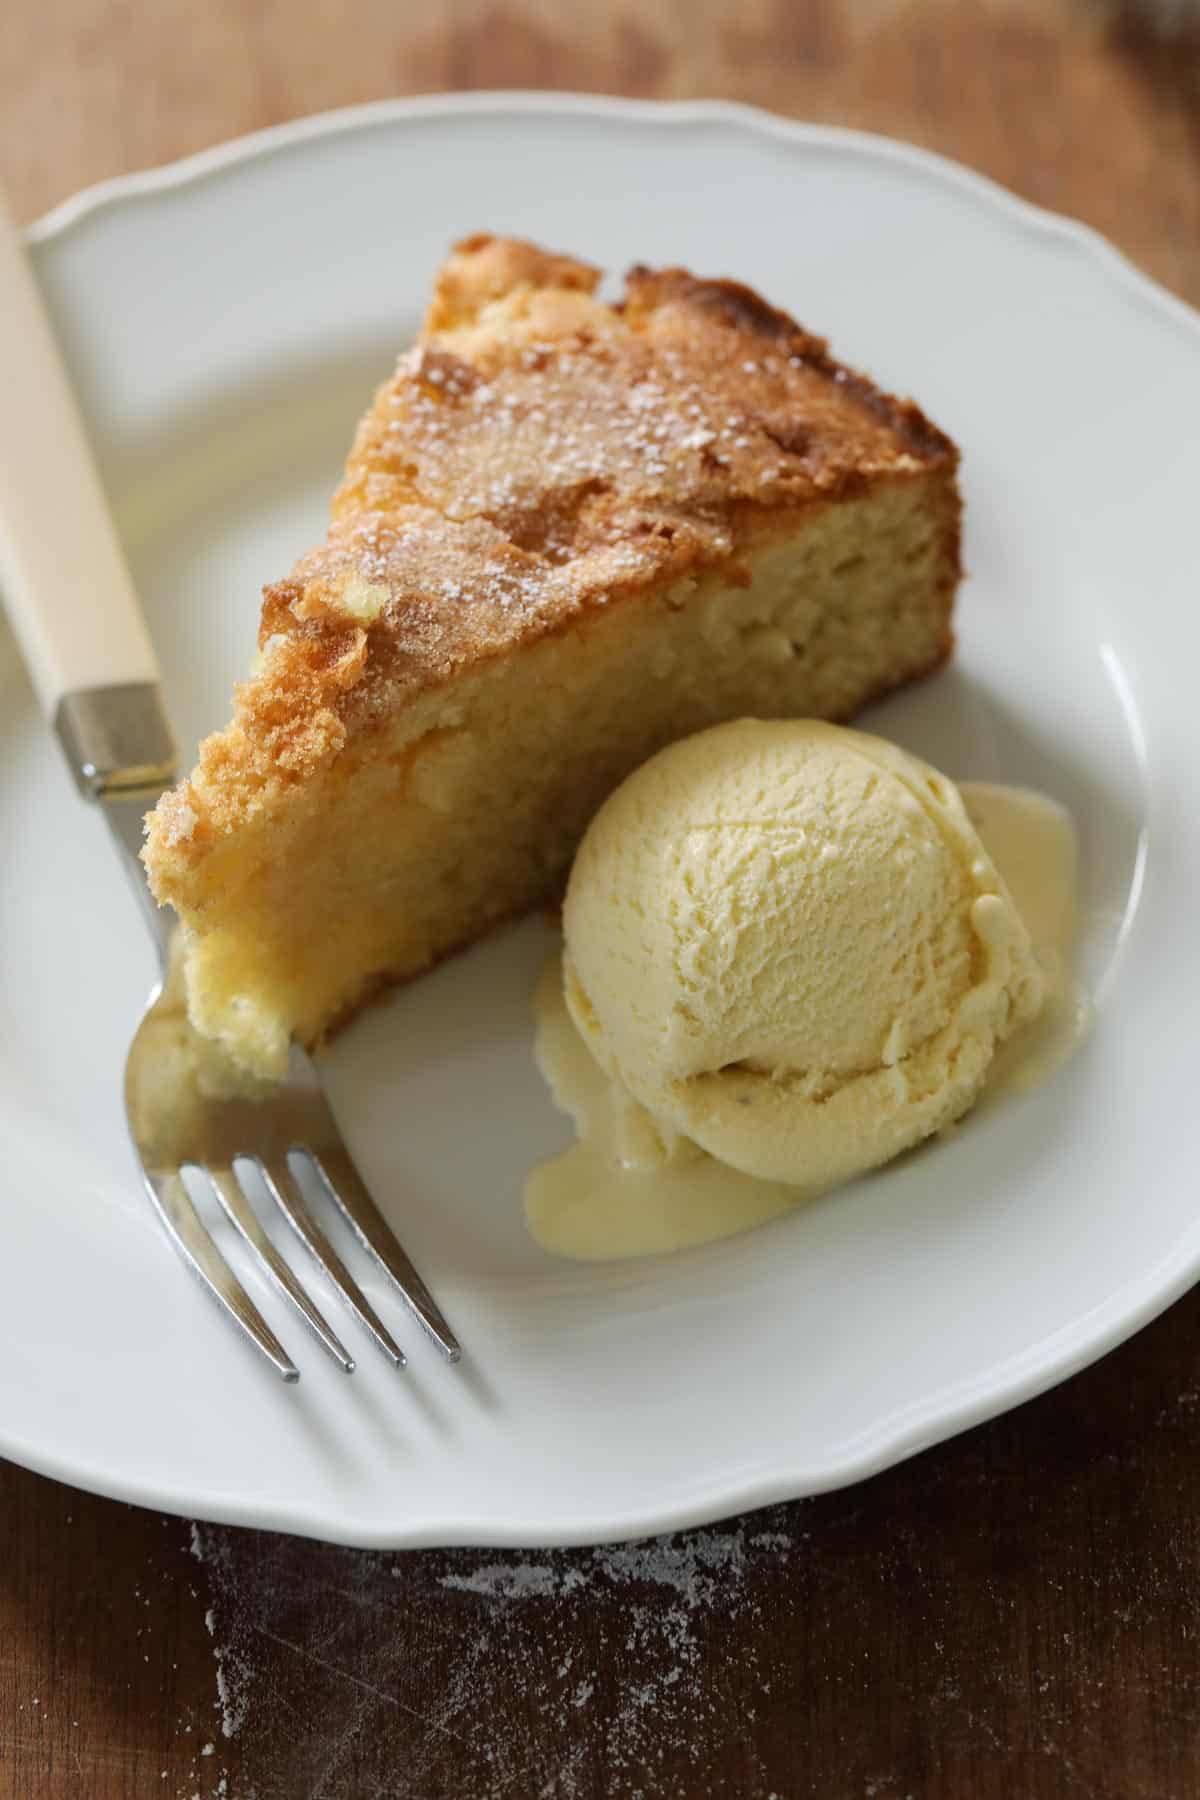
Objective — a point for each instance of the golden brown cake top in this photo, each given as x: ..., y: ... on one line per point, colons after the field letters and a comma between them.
x: 539, y: 449
x: 540, y: 452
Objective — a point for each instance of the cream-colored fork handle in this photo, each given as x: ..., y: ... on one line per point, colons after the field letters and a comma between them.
x: 63, y: 576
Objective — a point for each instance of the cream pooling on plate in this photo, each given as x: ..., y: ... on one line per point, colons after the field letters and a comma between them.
x: 638, y: 1180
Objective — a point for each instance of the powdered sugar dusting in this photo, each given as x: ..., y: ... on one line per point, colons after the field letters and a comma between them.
x: 531, y: 462
x: 556, y: 421
x: 546, y: 454
x: 178, y: 817
x: 453, y: 1653
x: 504, y: 1581
x: 234, y: 1677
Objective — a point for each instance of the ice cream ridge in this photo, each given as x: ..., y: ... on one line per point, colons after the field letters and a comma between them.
x: 786, y: 948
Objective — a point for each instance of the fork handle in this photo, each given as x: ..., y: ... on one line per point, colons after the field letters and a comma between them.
x: 62, y: 571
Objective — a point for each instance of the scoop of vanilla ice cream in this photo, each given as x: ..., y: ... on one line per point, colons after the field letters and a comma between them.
x: 786, y: 941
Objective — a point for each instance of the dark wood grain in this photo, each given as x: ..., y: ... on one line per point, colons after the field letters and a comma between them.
x: 1013, y: 1614
x: 107, y: 1675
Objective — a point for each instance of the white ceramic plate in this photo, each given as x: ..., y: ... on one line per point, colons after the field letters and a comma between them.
x: 225, y: 321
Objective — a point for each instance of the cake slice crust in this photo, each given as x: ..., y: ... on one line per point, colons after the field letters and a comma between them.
x: 567, y: 533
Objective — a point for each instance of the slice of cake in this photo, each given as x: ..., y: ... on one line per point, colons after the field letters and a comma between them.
x: 568, y: 532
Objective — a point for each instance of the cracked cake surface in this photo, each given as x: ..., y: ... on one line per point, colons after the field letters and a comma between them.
x: 684, y: 480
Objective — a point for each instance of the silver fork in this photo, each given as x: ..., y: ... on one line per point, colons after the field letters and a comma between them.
x: 77, y: 619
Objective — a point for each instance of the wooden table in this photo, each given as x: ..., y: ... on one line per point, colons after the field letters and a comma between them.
x: 1014, y: 1614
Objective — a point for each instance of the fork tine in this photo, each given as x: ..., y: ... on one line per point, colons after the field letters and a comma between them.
x: 244, y: 1219
x: 349, y: 1192
x: 287, y: 1195
x: 184, y: 1226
